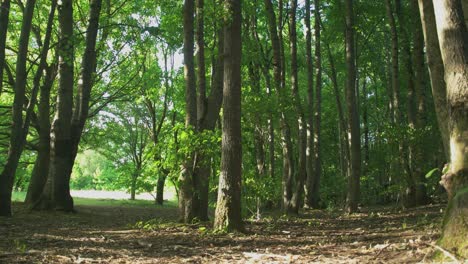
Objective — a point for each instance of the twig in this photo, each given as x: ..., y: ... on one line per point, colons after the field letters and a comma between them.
x: 381, y: 250
x: 446, y: 253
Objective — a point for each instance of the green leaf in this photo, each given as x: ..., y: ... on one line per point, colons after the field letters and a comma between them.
x: 431, y: 172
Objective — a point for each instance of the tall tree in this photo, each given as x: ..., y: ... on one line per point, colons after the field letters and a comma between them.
x: 296, y: 201
x: 310, y: 101
x: 20, y: 124
x: 228, y: 214
x: 436, y: 70
x: 185, y: 179
x: 4, y: 18
x: 354, y: 164
x: 317, y: 111
x: 453, y: 38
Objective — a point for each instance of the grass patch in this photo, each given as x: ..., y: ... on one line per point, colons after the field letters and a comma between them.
x: 20, y: 196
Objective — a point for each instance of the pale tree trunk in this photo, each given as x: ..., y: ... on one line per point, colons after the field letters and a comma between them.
x: 436, y: 70
x: 185, y: 178
x: 453, y: 39
x: 17, y: 135
x: 354, y: 164
x: 4, y: 17
x: 310, y: 101
x: 228, y: 214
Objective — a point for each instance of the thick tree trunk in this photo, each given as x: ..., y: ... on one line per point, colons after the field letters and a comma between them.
x: 436, y: 70
x: 4, y: 18
x: 17, y: 134
x: 354, y: 165
x: 228, y: 209
x: 160, y: 189
x: 453, y: 39
x: 186, y: 176
x: 61, y: 141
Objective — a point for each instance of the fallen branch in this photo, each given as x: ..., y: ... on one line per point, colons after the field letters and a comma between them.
x: 446, y: 253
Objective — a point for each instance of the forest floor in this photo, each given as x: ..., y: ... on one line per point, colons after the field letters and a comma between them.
x: 144, y: 234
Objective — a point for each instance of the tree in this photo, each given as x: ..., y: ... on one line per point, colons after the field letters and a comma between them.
x: 4, y: 17
x: 453, y: 38
x: 228, y: 214
x: 354, y: 164
x: 186, y: 175
x: 19, y: 128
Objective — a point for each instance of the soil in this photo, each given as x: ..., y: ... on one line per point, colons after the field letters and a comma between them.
x: 102, y: 234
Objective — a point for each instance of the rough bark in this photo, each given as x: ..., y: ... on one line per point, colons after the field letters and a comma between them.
x: 453, y: 38
x: 17, y: 134
x: 4, y: 18
x: 436, y: 70
x: 228, y: 214
x: 354, y: 165
x: 185, y: 178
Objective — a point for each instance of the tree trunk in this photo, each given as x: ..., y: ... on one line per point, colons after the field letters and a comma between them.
x: 41, y: 165
x: 186, y: 175
x: 228, y: 209
x: 61, y: 142
x: 453, y: 39
x: 310, y: 100
x: 160, y: 189
x: 354, y: 165
x: 4, y: 17
x: 436, y: 70
x: 17, y: 134
x: 317, y: 111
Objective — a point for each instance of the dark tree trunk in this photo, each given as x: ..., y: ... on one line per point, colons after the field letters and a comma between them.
x: 317, y: 112
x: 228, y: 214
x: 453, y: 39
x: 4, y: 17
x: 160, y: 189
x: 17, y: 134
x: 41, y: 165
x: 354, y: 165
x: 186, y: 176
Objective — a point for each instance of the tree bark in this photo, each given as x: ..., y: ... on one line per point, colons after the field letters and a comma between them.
x: 310, y: 101
x: 228, y: 214
x: 436, y: 70
x: 354, y: 165
x: 4, y: 18
x: 186, y: 175
x: 17, y: 134
x: 453, y: 38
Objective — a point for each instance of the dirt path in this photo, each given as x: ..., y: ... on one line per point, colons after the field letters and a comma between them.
x: 111, y: 235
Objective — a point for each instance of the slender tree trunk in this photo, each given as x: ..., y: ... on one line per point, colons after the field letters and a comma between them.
x: 228, y: 209
x: 354, y: 165
x: 41, y: 165
x: 317, y: 111
x: 436, y: 70
x: 186, y: 175
x: 453, y: 39
x: 310, y: 100
x: 17, y: 135
x: 287, y: 147
x: 4, y: 17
